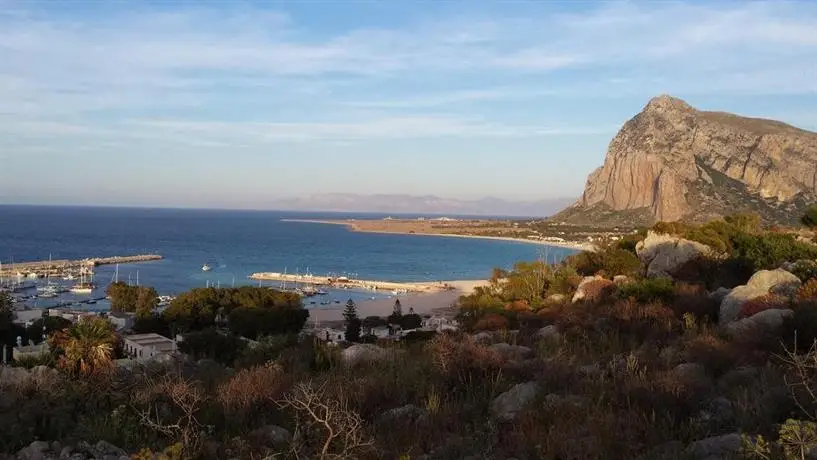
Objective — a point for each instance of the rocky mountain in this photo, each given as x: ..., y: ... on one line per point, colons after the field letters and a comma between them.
x: 427, y: 204
x: 674, y: 162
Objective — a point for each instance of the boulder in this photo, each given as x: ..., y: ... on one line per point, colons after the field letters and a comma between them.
x: 664, y: 254
x: 483, y: 337
x: 719, y: 294
x: 556, y: 298
x: 406, y: 414
x: 691, y: 374
x: 34, y: 451
x: 508, y: 404
x: 363, y: 353
x: 775, y: 281
x: 621, y: 279
x: 767, y: 321
x: 549, y: 333
x: 512, y: 352
x: 731, y: 304
x: 272, y: 435
x: 593, y: 289
x: 716, y: 447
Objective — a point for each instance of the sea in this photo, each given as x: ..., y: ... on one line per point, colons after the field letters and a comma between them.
x: 238, y: 243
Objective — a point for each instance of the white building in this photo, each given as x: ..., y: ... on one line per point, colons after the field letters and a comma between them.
x: 143, y: 347
x: 121, y: 320
x: 440, y: 323
x: 26, y: 317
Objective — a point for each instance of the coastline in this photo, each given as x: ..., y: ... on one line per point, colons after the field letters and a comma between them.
x: 353, y: 226
x: 423, y: 303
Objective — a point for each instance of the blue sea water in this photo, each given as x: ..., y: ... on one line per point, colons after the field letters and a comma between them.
x: 239, y: 243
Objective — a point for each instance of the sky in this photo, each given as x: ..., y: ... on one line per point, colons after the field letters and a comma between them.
x: 235, y: 104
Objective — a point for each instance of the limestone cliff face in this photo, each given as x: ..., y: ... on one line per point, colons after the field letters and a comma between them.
x: 673, y: 162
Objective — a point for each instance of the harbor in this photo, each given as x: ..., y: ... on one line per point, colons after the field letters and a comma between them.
x: 65, y: 268
x: 343, y: 282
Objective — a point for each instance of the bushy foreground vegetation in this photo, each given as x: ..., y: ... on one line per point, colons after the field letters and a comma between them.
x: 635, y: 367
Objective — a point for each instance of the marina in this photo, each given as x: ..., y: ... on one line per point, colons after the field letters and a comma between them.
x: 67, y: 269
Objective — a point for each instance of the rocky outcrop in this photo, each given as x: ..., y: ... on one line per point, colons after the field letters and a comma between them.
x: 593, y: 289
x: 767, y: 321
x: 664, y: 254
x: 363, y: 353
x: 513, y: 401
x: 41, y: 450
x: 725, y: 446
x: 673, y: 162
x: 512, y: 352
x: 779, y: 282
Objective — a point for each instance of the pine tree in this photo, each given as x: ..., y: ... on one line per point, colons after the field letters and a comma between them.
x: 398, y: 308
x: 352, y: 333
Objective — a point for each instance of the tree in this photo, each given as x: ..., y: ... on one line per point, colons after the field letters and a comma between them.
x: 398, y: 308
x: 809, y: 219
x: 51, y: 324
x: 352, y: 322
x: 86, y: 347
x: 255, y: 322
x: 412, y: 321
x: 224, y: 348
x: 125, y: 298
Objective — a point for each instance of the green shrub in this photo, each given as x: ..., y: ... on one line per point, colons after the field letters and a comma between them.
x: 809, y: 218
x: 805, y: 270
x: 648, y: 290
x: 610, y: 261
x: 770, y: 250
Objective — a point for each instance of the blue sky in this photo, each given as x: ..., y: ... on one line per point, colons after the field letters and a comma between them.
x: 210, y: 104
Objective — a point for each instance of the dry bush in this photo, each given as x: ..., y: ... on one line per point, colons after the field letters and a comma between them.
x: 464, y: 363
x: 598, y: 290
x: 325, y: 427
x: 172, y: 405
x: 808, y: 291
x: 253, y: 386
x: 653, y: 320
x: 518, y: 305
x: 492, y: 322
x: 694, y: 299
x: 759, y: 304
x: 717, y: 356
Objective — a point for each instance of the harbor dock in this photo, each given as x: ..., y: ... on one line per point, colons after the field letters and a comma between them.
x: 58, y: 267
x: 343, y: 282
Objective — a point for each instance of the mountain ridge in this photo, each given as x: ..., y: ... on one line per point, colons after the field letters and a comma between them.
x: 673, y: 162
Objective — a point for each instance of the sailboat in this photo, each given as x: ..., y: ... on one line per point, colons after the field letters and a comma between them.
x: 206, y: 268
x: 83, y: 287
x: 50, y: 289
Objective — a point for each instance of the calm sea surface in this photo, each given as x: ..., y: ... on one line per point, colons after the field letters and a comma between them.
x: 238, y: 243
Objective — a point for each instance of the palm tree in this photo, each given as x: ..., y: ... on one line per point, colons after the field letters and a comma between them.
x: 87, y: 346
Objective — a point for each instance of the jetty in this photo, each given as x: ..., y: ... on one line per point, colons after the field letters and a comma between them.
x: 58, y: 267
x: 342, y: 282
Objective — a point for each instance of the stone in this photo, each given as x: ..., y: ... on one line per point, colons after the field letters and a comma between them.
x: 621, y: 279
x: 483, y: 337
x: 715, y: 447
x: 272, y: 435
x: 767, y: 321
x: 106, y: 448
x: 512, y: 352
x: 405, y: 414
x: 719, y: 294
x: 775, y: 281
x: 363, y: 353
x: 665, y: 254
x: 691, y: 374
x: 13, y: 376
x: 549, y: 333
x: 34, y: 451
x: 731, y: 304
x: 507, y: 405
x: 593, y: 289
x: 673, y: 162
x: 65, y: 452
x: 715, y: 412
x: 556, y: 298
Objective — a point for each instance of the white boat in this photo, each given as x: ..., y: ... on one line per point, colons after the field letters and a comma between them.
x: 206, y: 268
x: 69, y: 277
x: 48, y: 291
x: 83, y: 287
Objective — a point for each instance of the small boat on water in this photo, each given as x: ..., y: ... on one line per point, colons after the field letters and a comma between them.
x: 206, y: 268
x: 83, y: 287
x: 321, y: 292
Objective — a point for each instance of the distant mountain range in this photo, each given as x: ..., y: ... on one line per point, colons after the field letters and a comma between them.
x: 427, y: 204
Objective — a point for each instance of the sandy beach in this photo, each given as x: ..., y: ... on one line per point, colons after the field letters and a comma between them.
x: 422, y: 303
x: 356, y: 226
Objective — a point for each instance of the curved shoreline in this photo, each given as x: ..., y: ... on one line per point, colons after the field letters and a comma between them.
x: 353, y: 226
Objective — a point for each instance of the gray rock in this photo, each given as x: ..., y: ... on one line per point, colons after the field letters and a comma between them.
x: 65, y: 452
x: 483, y: 337
x: 664, y: 254
x: 513, y: 401
x: 767, y: 321
x: 363, y: 353
x: 106, y: 448
x: 13, y: 376
x: 556, y: 298
x: 581, y: 292
x: 775, y: 281
x: 34, y: 451
x: 731, y: 304
x: 715, y: 412
x: 272, y: 435
x: 512, y: 352
x: 78, y: 456
x: 719, y: 294
x: 406, y: 414
x: 691, y: 374
x: 715, y: 447
x: 549, y: 333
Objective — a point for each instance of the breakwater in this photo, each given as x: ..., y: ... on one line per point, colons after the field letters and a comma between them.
x: 59, y: 267
x: 349, y: 283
